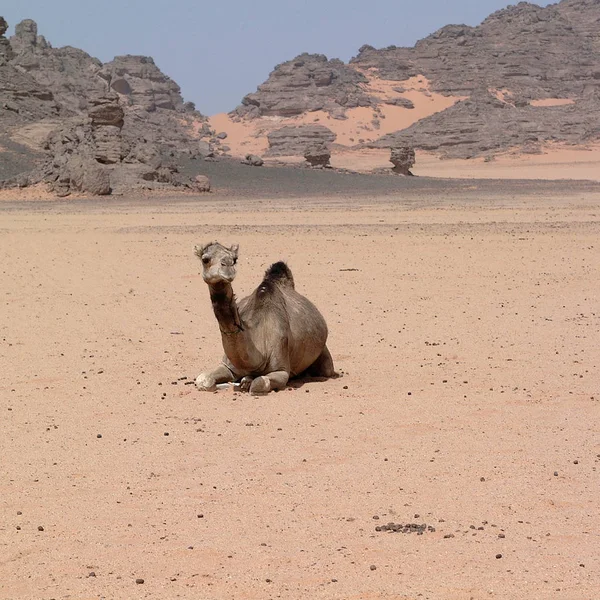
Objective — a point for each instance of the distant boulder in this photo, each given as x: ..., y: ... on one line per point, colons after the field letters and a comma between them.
x: 253, y: 160
x: 403, y: 159
x: 318, y: 155
x: 201, y: 183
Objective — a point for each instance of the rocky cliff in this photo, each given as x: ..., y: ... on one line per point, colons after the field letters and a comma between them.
x: 525, y: 76
x: 56, y: 105
x: 307, y: 83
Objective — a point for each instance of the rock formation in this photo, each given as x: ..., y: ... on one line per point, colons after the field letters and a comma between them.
x: 403, y: 159
x: 514, y: 71
x: 126, y: 115
x: 318, y: 155
x: 141, y: 83
x: 309, y: 82
x: 253, y: 160
x: 293, y: 140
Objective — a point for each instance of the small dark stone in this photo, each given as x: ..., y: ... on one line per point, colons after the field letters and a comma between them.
x: 373, y: 568
x: 201, y: 516
x: 482, y: 479
x: 139, y: 581
x: 345, y: 387
x: 555, y: 473
x: 19, y: 512
x: 40, y: 528
x: 501, y: 536
x: 376, y: 517
x: 166, y: 433
x: 18, y: 528
x: 575, y: 462
x: 99, y: 435
x: 498, y: 555
x: 92, y: 574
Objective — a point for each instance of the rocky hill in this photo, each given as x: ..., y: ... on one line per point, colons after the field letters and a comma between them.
x: 121, y: 113
x: 525, y: 77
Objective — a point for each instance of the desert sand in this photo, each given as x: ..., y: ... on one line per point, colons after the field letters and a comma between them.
x: 465, y: 331
x: 554, y: 163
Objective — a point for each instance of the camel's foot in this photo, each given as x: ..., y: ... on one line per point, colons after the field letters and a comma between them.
x: 260, y: 385
x: 246, y: 382
x: 205, y: 382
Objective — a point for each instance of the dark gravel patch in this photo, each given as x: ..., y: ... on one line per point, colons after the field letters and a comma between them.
x: 16, y: 159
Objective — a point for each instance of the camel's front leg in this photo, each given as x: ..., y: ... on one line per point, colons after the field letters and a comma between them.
x: 207, y: 382
x: 276, y: 380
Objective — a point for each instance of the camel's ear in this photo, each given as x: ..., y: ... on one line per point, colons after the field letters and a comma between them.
x: 199, y: 250
x: 234, y: 250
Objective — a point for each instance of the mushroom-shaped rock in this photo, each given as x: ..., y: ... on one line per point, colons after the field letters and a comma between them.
x: 403, y: 159
x: 318, y: 155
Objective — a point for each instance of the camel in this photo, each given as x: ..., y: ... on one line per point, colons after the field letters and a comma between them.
x: 269, y: 337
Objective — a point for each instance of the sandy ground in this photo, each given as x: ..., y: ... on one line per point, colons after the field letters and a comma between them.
x: 466, y: 333
x: 556, y: 162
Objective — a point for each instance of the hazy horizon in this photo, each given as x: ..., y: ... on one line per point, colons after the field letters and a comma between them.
x: 218, y: 52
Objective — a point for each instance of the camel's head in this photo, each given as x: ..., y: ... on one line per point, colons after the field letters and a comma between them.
x: 218, y: 262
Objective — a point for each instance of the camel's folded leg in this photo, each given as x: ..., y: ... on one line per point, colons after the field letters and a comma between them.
x: 207, y: 382
x: 323, y: 366
x: 276, y: 380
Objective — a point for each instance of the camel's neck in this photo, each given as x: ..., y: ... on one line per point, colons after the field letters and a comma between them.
x: 237, y: 344
x: 225, y: 307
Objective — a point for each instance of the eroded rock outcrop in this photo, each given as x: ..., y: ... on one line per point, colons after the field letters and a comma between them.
x: 309, y: 82
x: 403, y: 159
x: 253, y: 160
x: 318, y: 155
x: 140, y: 82
x: 293, y: 140
x: 123, y: 116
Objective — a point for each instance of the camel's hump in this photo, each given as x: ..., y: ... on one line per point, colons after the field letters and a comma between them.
x: 279, y: 273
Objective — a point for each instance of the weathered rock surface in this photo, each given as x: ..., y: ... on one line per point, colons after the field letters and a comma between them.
x: 201, y: 183
x: 532, y: 52
x: 70, y: 74
x: 253, y: 160
x: 307, y: 83
x: 403, y: 159
x: 483, y: 126
x: 293, y: 140
x: 126, y: 115
x: 141, y: 83
x: 318, y: 155
x: 517, y: 55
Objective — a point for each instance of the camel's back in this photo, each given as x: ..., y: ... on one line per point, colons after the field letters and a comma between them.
x: 308, y: 331
x: 277, y: 309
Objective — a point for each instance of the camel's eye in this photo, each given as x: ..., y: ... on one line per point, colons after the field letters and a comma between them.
x: 234, y: 260
x: 205, y: 260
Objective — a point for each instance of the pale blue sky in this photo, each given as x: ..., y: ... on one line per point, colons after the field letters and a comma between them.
x: 219, y: 51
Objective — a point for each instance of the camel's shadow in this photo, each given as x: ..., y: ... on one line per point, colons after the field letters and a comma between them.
x: 299, y: 382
